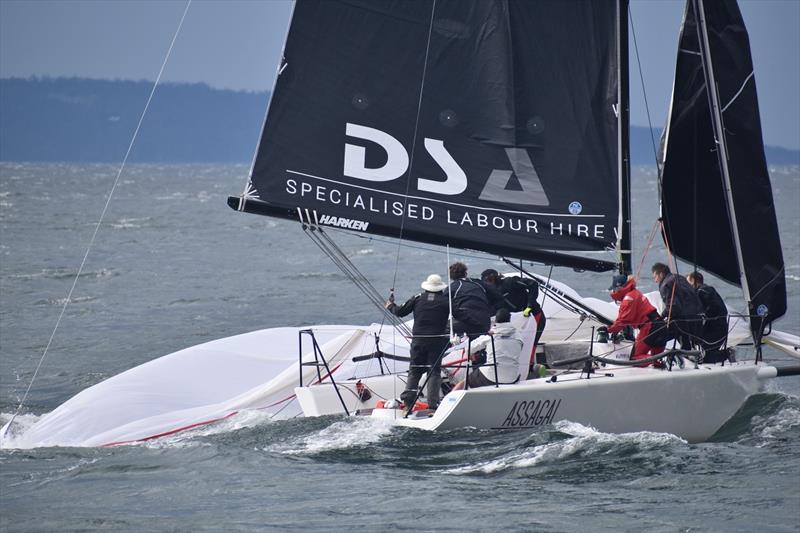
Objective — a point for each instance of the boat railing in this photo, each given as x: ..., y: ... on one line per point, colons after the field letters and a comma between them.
x: 465, y: 363
x: 318, y: 362
x: 474, y: 366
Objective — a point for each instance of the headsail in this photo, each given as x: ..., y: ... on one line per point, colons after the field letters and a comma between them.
x: 489, y: 125
x: 716, y: 197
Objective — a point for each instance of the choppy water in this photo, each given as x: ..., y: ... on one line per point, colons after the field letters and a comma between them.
x: 173, y: 266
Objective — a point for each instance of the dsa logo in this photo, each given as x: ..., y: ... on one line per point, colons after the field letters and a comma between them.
x: 455, y: 182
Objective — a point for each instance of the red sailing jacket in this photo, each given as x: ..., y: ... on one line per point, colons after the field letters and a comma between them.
x: 633, y: 310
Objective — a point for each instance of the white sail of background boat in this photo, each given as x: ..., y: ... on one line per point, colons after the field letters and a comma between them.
x: 488, y: 125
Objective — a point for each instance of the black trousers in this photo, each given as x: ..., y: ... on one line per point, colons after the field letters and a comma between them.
x: 425, y: 355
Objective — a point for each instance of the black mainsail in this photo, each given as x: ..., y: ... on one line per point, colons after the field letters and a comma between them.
x: 489, y: 125
x: 716, y: 196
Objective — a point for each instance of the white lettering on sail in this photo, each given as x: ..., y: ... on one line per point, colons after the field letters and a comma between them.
x: 456, y: 181
x: 341, y: 222
x: 355, y: 157
x: 364, y: 203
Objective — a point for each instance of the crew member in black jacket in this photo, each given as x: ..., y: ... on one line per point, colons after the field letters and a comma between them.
x: 518, y: 294
x: 431, y: 309
x: 682, y: 307
x: 473, y: 302
x: 715, y: 321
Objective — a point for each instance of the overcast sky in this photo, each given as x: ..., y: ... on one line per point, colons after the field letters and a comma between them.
x: 236, y: 44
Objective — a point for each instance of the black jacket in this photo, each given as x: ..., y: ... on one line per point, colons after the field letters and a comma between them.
x: 713, y: 305
x: 473, y: 300
x: 517, y: 293
x: 431, y: 311
x: 684, y: 300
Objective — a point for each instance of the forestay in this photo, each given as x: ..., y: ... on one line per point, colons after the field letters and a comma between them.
x: 487, y: 125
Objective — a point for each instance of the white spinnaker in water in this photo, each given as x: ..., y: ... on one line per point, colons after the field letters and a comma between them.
x: 200, y: 385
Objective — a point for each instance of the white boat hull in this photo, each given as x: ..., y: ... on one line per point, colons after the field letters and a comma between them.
x: 690, y: 403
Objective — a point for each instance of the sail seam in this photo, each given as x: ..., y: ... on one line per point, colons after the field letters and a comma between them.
x: 735, y: 96
x: 405, y: 196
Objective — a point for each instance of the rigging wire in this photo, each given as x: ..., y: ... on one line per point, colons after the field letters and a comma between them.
x: 644, y: 91
x: 413, y: 144
x: 650, y: 238
x: 102, y: 216
x: 346, y: 266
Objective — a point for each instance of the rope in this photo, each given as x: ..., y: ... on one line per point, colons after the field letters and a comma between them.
x: 102, y: 216
x: 340, y: 259
x: 413, y: 145
x: 647, y: 249
x: 644, y: 91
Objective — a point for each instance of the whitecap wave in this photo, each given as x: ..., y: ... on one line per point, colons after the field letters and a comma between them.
x: 357, y: 432
x: 776, y: 426
x: 129, y: 223
x: 583, y: 439
x: 9, y: 439
x: 62, y: 301
x: 243, y: 419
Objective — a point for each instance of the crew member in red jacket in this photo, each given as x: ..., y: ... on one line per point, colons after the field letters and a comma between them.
x: 636, y: 310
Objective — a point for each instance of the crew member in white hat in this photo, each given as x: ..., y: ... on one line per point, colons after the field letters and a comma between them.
x: 431, y: 310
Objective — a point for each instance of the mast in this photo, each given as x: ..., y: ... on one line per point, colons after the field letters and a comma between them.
x: 722, y: 152
x: 623, y: 141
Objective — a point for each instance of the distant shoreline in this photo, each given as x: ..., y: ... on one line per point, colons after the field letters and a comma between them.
x: 80, y: 120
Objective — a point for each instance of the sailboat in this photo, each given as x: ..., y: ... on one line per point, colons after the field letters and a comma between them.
x: 502, y: 127
x: 499, y: 127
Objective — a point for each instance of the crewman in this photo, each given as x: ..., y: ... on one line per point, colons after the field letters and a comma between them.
x: 473, y: 302
x: 431, y: 310
x: 518, y: 294
x: 715, y: 319
x: 636, y: 310
x: 682, y: 307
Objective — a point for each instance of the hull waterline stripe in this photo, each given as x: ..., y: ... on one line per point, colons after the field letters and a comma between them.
x: 170, y: 432
x: 203, y: 423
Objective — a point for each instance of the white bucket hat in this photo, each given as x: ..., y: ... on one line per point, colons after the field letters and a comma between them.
x: 434, y: 283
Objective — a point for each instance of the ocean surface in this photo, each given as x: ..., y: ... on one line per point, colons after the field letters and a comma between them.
x: 172, y: 266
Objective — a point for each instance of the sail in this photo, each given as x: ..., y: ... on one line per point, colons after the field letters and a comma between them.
x: 489, y: 125
x: 723, y: 224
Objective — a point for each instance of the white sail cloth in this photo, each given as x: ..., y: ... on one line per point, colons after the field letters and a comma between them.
x: 204, y: 384
x: 259, y: 370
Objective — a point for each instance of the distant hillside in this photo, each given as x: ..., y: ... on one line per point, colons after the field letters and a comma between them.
x: 642, y: 149
x: 81, y: 120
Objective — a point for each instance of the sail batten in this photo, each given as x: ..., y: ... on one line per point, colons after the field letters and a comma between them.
x: 487, y: 122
